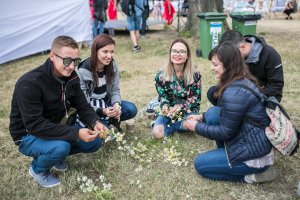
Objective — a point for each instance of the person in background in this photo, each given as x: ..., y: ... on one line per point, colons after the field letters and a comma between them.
x: 112, y: 10
x: 244, y: 153
x: 169, y: 11
x: 157, y: 9
x: 289, y: 8
x: 134, y: 24
x: 179, y: 90
x: 263, y: 61
x: 261, y: 8
x: 40, y: 101
x: 145, y: 16
x: 100, y: 17
x: 99, y: 80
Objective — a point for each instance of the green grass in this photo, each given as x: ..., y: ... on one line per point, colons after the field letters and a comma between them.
x: 130, y: 177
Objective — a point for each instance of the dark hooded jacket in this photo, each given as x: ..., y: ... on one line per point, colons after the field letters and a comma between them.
x: 265, y: 64
x: 40, y: 101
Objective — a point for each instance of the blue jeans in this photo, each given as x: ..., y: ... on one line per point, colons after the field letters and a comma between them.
x: 46, y: 153
x: 170, y: 128
x: 129, y: 110
x: 214, y: 165
x: 98, y: 27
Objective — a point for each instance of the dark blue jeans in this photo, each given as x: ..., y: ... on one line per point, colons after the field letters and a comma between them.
x: 214, y: 164
x: 46, y: 153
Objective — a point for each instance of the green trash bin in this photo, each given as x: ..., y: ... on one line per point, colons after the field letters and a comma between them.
x: 245, y: 23
x: 211, y: 30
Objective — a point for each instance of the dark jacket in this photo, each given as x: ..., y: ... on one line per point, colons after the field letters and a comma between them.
x: 266, y: 66
x: 242, y: 141
x: 40, y: 101
x: 100, y: 7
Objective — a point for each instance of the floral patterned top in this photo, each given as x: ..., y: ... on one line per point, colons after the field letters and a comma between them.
x: 177, y: 91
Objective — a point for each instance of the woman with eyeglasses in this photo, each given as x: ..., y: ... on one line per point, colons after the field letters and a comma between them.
x: 99, y: 80
x: 243, y: 153
x: 179, y: 90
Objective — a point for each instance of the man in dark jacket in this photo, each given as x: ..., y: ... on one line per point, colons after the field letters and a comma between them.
x: 264, y: 61
x: 40, y: 100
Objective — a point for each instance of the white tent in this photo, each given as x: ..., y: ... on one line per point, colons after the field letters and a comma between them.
x: 29, y: 26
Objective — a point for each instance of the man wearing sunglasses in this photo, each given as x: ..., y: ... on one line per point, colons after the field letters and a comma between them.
x: 40, y: 100
x: 263, y: 60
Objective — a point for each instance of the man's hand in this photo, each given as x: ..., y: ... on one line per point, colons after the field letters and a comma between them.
x: 87, y: 135
x: 100, y: 129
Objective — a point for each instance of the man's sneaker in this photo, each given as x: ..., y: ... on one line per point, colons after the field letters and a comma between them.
x: 136, y: 49
x: 46, y: 180
x: 61, y: 166
x: 266, y: 176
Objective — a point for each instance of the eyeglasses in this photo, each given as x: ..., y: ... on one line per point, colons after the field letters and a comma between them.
x: 180, y: 52
x: 67, y: 61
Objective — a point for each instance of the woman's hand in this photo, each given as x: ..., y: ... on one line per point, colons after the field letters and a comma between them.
x: 190, y: 124
x: 196, y: 117
x: 165, y: 110
x: 110, y: 112
x: 174, y: 111
x: 118, y: 109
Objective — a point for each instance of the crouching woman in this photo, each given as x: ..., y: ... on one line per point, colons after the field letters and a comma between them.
x: 244, y: 153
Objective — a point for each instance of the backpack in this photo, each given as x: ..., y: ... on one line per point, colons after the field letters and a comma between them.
x: 127, y: 7
x: 281, y: 133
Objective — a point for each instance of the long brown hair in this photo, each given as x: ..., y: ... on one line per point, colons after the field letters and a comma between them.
x: 188, y: 69
x: 99, y: 42
x: 234, y: 66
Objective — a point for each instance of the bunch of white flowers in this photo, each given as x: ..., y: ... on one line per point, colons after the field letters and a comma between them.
x: 171, y: 155
x: 87, y: 185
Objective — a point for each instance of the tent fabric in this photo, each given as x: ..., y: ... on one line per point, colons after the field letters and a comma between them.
x: 28, y: 27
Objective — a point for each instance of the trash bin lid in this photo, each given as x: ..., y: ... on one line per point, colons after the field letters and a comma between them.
x: 245, y: 16
x: 212, y: 15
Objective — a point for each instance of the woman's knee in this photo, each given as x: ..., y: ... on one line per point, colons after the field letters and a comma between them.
x: 199, y: 164
x: 129, y: 108
x: 158, y: 132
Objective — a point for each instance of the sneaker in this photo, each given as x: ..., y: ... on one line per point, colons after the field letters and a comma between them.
x: 61, y: 166
x: 266, y: 176
x: 136, y: 49
x: 46, y: 180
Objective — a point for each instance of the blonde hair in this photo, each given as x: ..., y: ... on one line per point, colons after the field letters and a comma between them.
x: 188, y: 69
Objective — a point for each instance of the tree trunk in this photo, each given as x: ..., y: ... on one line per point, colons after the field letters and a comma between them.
x: 199, y: 6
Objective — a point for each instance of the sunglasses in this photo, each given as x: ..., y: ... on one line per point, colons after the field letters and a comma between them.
x: 67, y: 61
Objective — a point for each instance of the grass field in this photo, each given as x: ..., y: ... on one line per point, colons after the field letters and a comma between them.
x: 144, y: 168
